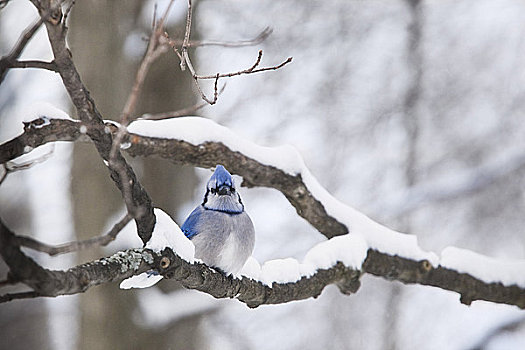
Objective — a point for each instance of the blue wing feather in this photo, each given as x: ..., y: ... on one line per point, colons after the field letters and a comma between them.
x: 189, y: 226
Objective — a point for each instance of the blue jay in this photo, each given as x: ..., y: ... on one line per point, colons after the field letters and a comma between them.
x: 220, y: 229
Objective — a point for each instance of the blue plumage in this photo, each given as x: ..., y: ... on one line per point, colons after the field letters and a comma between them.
x: 220, y: 229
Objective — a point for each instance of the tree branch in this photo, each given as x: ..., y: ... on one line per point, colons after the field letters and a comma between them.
x: 9, y: 60
x: 253, y: 293
x: 100, y: 241
x: 34, y: 64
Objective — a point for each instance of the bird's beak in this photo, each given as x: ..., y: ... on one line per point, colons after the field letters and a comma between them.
x: 224, y: 190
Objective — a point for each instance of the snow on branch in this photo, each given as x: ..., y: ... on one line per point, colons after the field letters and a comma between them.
x: 386, y: 253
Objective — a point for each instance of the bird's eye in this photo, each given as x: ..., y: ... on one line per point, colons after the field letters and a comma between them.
x: 213, y: 190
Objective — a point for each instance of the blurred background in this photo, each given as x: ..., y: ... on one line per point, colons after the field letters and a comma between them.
x: 410, y: 111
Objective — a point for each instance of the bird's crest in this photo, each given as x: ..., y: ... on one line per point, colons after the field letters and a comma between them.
x: 220, y: 177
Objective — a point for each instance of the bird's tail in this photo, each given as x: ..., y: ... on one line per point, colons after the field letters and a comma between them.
x: 144, y: 280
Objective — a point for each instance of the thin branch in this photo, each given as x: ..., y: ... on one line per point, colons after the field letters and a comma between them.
x: 185, y: 60
x: 203, y: 95
x: 186, y: 41
x: 153, y: 51
x: 181, y: 112
x: 250, y: 70
x: 24, y: 39
x: 263, y: 35
x: 175, y: 114
x: 35, y: 64
x: 100, y: 241
x: 7, y: 61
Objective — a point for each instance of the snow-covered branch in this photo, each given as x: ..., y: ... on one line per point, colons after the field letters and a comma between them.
x: 280, y: 168
x: 337, y: 261
x: 383, y: 252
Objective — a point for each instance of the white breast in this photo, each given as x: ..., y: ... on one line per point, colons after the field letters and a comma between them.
x: 229, y: 258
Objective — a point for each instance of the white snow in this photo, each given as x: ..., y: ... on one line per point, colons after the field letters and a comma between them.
x: 349, y: 249
x: 280, y: 271
x: 251, y: 269
x: 142, y: 280
x: 483, y: 267
x: 197, y: 130
x: 44, y: 109
x: 168, y: 234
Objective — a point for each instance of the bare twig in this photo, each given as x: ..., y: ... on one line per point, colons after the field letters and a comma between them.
x: 250, y: 70
x: 7, y: 61
x: 180, y: 112
x: 185, y: 60
x: 174, y: 43
x: 35, y: 64
x: 153, y: 51
x: 203, y: 96
x: 185, y: 43
x: 175, y: 114
x: 101, y: 241
x: 250, y: 42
